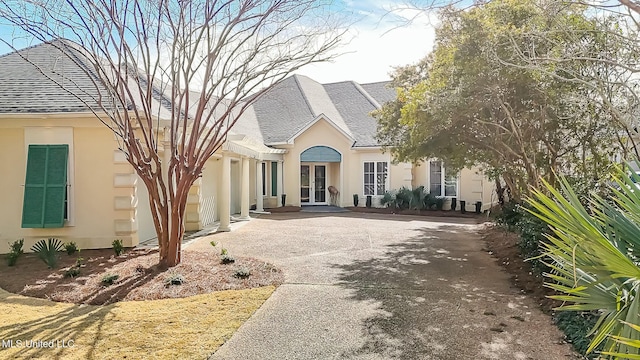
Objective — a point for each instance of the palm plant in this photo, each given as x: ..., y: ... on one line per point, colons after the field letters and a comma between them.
x: 47, y: 251
x: 429, y: 201
x: 417, y: 198
x: 403, y: 198
x: 594, y: 256
x: 388, y: 200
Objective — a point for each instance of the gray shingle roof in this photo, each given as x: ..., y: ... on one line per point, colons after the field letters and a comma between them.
x: 319, y: 101
x: 248, y: 125
x: 56, y: 77
x: 282, y: 111
x: 354, y: 104
x: 25, y: 89
x: 296, y: 101
x: 380, y: 91
x: 275, y: 117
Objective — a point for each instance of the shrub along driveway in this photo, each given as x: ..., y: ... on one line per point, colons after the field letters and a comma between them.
x: 369, y: 286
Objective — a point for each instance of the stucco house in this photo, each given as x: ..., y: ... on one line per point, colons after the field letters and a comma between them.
x: 63, y: 175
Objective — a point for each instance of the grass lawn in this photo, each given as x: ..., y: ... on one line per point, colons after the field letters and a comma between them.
x: 184, y: 328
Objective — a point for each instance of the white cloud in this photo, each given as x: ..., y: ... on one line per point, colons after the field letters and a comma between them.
x: 380, y: 43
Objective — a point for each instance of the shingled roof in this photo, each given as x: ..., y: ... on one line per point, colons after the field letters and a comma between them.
x: 44, y: 79
x: 295, y: 102
x: 57, y: 77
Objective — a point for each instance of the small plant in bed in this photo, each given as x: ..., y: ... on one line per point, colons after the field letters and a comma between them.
x: 174, y: 279
x: 109, y: 279
x: 242, y: 273
x: 71, y: 248
x: 227, y: 259
x: 16, y: 251
x: 47, y: 251
x: 72, y: 272
x: 117, y: 247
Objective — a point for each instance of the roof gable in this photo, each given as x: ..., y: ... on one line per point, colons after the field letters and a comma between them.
x: 296, y: 103
x: 315, y: 121
x: 319, y: 102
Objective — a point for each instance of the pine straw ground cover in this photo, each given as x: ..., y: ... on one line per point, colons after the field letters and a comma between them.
x: 126, y: 319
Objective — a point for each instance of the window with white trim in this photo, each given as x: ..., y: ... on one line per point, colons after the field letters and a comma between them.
x: 442, y: 182
x: 375, y: 177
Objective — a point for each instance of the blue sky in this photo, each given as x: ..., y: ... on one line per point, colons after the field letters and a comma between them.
x: 378, y: 42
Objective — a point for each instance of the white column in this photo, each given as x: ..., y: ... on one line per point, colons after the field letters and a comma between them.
x: 279, y: 181
x: 225, y: 195
x: 343, y: 194
x: 259, y: 195
x: 244, y: 197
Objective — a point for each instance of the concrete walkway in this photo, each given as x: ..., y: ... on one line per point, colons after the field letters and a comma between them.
x: 323, y: 209
x: 369, y: 286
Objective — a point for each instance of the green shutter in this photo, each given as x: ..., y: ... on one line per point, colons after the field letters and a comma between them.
x: 274, y: 178
x: 45, y: 186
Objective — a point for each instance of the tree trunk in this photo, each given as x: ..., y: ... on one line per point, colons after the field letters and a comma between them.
x: 171, y: 256
x: 500, y: 191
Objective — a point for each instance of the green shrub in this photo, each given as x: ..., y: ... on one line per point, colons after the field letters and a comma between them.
x: 417, y: 198
x: 79, y: 262
x: 109, y: 279
x: 509, y: 215
x: 388, y: 200
x: 532, y: 231
x: 71, y: 247
x: 12, y: 258
x: 429, y: 202
x: 174, y: 279
x: 117, y: 247
x: 404, y: 198
x: 576, y: 325
x: 72, y: 272
x: 242, y: 273
x: 47, y: 251
x: 16, y: 251
x: 227, y: 259
x: 439, y: 202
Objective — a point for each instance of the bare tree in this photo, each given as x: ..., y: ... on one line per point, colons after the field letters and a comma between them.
x: 178, y: 75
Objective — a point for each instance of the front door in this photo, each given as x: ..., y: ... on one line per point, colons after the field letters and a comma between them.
x: 313, y: 184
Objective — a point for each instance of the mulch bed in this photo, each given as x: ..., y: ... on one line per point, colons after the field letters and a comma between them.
x: 437, y: 213
x: 139, y: 276
x: 503, y: 245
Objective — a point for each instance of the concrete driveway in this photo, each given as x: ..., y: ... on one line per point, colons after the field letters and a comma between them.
x: 370, y: 286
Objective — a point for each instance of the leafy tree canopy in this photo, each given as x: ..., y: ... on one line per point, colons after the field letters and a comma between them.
x: 504, y: 89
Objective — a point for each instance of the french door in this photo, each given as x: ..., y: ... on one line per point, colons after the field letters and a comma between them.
x: 313, y: 184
